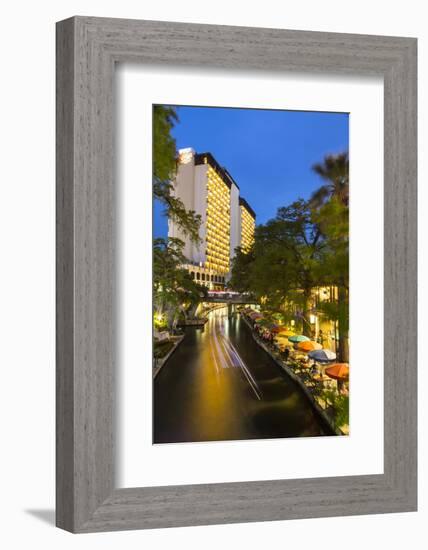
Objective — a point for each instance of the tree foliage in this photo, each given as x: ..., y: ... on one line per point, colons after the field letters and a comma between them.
x: 164, y: 149
x: 303, y: 247
x: 241, y: 270
x: 280, y: 266
x: 173, y: 289
x: 164, y: 168
x: 334, y: 170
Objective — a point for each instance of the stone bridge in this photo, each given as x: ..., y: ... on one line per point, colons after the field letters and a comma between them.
x: 230, y: 298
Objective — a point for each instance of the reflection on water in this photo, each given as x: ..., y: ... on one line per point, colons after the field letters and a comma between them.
x: 219, y: 385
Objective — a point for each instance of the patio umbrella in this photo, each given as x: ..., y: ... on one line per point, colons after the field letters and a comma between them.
x: 281, y: 336
x: 308, y: 345
x: 282, y: 339
x: 286, y: 332
x: 268, y: 325
x: 255, y: 315
x: 282, y: 342
x: 338, y: 371
x: 296, y: 338
x: 322, y: 355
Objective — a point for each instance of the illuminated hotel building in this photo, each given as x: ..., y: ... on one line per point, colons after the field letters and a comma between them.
x: 228, y: 221
x: 248, y: 225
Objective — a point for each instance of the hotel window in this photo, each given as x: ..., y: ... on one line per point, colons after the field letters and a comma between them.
x: 198, y: 276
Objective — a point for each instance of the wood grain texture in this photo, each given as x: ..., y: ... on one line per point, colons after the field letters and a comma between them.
x: 87, y: 49
x: 64, y: 276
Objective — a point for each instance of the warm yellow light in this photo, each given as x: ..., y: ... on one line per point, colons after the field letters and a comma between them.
x: 247, y: 229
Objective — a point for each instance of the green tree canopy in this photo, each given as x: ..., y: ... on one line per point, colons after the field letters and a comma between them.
x: 305, y: 246
x: 280, y: 266
x: 241, y: 270
x: 164, y: 168
x: 174, y: 290
x: 331, y: 212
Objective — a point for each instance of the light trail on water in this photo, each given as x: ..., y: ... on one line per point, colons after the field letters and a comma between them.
x: 229, y: 356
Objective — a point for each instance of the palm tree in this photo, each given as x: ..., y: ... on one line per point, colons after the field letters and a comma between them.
x: 334, y: 170
x: 331, y: 202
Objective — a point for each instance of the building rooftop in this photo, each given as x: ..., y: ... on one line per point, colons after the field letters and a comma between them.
x: 245, y: 204
x: 202, y: 158
x: 207, y: 158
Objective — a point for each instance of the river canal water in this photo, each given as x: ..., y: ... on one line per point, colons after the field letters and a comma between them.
x: 220, y: 385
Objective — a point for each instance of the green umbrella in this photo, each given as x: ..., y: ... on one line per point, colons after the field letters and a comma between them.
x: 298, y: 338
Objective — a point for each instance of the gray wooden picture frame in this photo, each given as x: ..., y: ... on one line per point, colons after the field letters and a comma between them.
x: 87, y: 50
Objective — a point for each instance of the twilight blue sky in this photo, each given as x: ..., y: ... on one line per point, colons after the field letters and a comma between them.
x: 268, y: 153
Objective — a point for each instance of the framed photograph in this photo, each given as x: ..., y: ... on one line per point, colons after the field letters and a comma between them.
x: 236, y: 274
x: 239, y: 293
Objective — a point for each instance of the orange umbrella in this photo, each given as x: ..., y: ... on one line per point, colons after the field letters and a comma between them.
x: 308, y: 345
x: 338, y: 371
